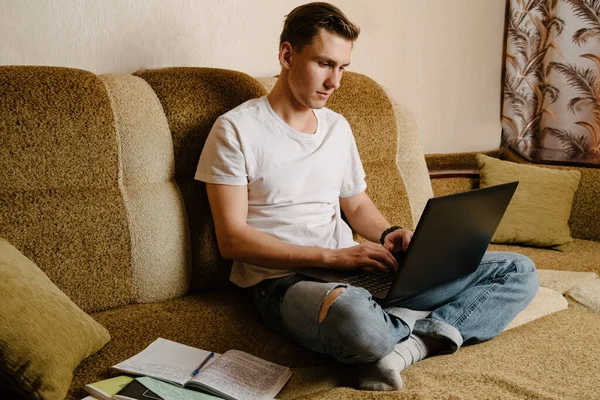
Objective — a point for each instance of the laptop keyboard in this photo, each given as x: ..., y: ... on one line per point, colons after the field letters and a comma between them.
x: 372, y: 281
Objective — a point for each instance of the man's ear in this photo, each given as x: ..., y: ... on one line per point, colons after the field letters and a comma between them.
x: 285, y: 55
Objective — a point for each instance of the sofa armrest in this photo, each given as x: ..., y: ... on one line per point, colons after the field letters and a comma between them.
x: 455, y: 172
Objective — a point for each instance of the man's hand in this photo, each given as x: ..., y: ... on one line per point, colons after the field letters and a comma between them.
x: 398, y: 240
x: 364, y: 255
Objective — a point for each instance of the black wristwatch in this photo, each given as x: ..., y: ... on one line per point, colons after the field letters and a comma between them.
x: 387, y: 232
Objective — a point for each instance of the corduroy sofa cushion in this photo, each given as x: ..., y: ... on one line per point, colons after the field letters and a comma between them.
x: 538, y: 214
x: 87, y: 186
x: 43, y: 334
x: 60, y: 201
x: 586, y: 206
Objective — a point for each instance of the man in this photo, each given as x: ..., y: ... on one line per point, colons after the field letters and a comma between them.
x: 280, y: 169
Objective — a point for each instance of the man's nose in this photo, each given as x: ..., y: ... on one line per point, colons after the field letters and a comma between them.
x: 333, y: 81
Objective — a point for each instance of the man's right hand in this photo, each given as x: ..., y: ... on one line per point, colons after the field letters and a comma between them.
x: 364, y: 255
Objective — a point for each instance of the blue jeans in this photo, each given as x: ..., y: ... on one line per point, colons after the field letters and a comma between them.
x: 356, y: 329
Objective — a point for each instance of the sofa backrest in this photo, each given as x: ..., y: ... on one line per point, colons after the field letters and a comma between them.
x: 86, y: 185
x: 192, y: 100
x: 96, y: 174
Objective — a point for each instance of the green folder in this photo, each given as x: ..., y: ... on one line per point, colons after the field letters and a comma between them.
x: 107, y: 388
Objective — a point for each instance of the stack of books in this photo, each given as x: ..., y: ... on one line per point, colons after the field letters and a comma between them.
x: 168, y: 370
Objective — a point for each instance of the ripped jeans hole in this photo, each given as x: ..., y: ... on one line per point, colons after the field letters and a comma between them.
x: 331, y: 297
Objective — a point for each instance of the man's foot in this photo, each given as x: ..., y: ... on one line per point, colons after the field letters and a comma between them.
x: 385, y: 373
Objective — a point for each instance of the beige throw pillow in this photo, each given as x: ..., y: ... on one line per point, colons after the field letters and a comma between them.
x: 43, y: 334
x: 539, y: 211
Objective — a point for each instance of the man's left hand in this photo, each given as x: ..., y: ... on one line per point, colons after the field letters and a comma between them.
x: 398, y: 240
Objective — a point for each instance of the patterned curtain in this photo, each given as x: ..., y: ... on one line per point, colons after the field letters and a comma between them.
x: 552, y: 77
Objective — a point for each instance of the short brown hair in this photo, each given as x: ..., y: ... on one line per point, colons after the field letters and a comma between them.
x: 304, y: 22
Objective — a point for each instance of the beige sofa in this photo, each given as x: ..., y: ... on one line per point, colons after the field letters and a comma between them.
x: 97, y: 189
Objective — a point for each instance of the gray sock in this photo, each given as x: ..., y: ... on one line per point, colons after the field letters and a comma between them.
x: 385, y: 373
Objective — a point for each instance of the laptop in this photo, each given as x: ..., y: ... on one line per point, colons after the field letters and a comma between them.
x: 449, y: 242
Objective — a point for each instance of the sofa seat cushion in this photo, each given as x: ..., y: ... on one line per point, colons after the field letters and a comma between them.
x: 584, y: 256
x: 554, y: 357
x: 562, y: 281
x: 536, y: 358
x: 216, y: 321
x: 546, y: 301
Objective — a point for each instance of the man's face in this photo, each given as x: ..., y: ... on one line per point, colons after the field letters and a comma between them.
x: 316, y: 71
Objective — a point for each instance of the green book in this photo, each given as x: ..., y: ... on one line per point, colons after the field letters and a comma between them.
x: 107, y: 388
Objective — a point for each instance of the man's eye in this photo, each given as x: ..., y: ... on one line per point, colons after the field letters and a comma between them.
x: 323, y: 64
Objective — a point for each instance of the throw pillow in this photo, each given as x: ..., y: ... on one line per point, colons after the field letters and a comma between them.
x: 43, y: 334
x: 539, y: 211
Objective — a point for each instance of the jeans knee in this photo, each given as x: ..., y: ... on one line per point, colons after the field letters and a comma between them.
x: 529, y: 277
x: 359, y: 330
x: 354, y: 329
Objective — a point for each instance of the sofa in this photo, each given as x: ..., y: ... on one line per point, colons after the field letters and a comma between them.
x: 97, y: 192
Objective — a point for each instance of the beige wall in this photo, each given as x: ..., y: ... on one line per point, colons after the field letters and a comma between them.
x: 442, y: 58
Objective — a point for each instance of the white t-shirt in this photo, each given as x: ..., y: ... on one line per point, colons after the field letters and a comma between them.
x: 294, y: 179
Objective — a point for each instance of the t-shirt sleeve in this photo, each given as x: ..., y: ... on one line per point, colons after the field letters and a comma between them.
x: 222, y: 160
x: 354, y: 177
